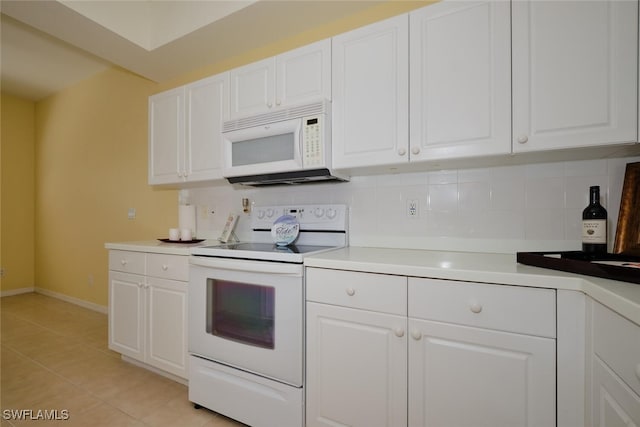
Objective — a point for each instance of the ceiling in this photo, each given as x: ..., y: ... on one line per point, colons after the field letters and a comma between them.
x: 47, y: 45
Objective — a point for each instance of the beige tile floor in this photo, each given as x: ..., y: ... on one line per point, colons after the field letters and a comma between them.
x: 54, y: 356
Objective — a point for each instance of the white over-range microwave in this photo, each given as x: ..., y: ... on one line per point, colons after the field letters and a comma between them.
x: 286, y: 146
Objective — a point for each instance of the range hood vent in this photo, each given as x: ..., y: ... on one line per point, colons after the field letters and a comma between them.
x: 288, y: 178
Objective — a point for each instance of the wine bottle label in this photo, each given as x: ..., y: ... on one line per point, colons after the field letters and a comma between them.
x: 594, y: 231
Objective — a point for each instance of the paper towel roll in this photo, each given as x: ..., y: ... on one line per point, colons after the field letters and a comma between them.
x: 187, y: 217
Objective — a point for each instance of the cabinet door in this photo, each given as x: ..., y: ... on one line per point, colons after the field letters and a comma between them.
x: 463, y: 376
x: 613, y: 402
x: 460, y: 68
x: 207, y: 104
x: 574, y: 73
x: 356, y: 368
x: 253, y: 88
x: 167, y: 325
x: 304, y: 74
x: 166, y: 137
x: 126, y: 314
x: 371, y: 95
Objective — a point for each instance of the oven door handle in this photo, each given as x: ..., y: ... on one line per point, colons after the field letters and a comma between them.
x: 265, y: 267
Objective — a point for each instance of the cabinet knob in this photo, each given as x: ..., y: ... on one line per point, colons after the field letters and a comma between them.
x: 402, y: 151
x: 351, y: 292
x: 165, y: 267
x: 269, y: 105
x: 475, y: 307
x: 416, y: 335
x: 522, y: 139
x: 415, y: 150
x: 399, y: 332
x: 278, y: 102
x: 123, y: 261
x: 140, y: 285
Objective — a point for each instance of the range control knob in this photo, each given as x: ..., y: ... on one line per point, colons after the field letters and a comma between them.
x: 331, y: 213
x: 318, y: 212
x: 260, y: 214
x: 269, y: 213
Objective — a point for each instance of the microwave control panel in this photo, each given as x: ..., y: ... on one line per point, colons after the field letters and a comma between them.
x: 312, y: 149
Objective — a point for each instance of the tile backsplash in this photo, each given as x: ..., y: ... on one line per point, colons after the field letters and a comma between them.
x: 499, y: 209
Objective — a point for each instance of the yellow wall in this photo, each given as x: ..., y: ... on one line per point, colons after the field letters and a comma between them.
x: 17, y: 142
x: 376, y: 13
x: 91, y: 166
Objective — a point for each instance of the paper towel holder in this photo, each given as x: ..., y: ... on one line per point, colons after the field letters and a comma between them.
x: 246, y: 206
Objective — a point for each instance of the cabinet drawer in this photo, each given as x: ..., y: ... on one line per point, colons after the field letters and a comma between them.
x: 175, y: 267
x: 376, y: 292
x: 501, y: 307
x: 127, y: 261
x: 617, y: 341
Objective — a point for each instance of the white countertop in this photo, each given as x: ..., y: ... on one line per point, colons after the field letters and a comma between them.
x: 158, y: 247
x: 621, y: 297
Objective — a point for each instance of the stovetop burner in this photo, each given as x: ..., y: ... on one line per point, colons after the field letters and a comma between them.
x: 270, y: 247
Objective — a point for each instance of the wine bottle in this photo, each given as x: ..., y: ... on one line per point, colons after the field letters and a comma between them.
x: 594, y: 224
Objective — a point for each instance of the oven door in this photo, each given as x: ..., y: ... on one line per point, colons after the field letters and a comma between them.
x: 248, y: 314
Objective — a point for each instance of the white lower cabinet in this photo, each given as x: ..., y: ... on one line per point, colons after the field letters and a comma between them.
x: 462, y: 376
x: 613, y: 374
x: 356, y: 349
x: 386, y: 350
x: 356, y: 367
x: 148, y: 310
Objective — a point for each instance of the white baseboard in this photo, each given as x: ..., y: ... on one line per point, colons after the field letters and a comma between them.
x: 19, y: 291
x: 155, y: 370
x: 77, y: 301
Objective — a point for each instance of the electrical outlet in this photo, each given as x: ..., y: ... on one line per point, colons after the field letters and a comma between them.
x: 1, y: 272
x: 131, y: 214
x: 413, y: 208
x: 90, y: 280
x: 205, y: 211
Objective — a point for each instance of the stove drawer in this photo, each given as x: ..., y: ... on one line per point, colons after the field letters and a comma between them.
x: 367, y: 291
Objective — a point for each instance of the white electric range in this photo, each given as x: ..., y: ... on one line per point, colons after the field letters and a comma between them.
x: 246, y: 317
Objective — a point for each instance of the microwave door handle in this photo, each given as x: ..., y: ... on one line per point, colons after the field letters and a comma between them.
x: 299, y: 146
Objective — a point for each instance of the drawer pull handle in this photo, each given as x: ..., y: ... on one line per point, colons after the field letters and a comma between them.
x: 399, y: 332
x: 165, y: 267
x: 638, y: 371
x: 475, y: 307
x: 416, y: 335
x: 351, y: 292
x: 123, y: 262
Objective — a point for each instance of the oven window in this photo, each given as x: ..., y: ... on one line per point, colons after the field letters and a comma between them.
x: 241, y: 312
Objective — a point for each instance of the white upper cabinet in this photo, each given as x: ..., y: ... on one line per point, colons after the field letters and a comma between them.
x: 299, y: 76
x: 304, y: 74
x: 575, y: 73
x: 370, y: 94
x: 207, y: 104
x: 185, y: 131
x: 166, y: 136
x: 460, y: 68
